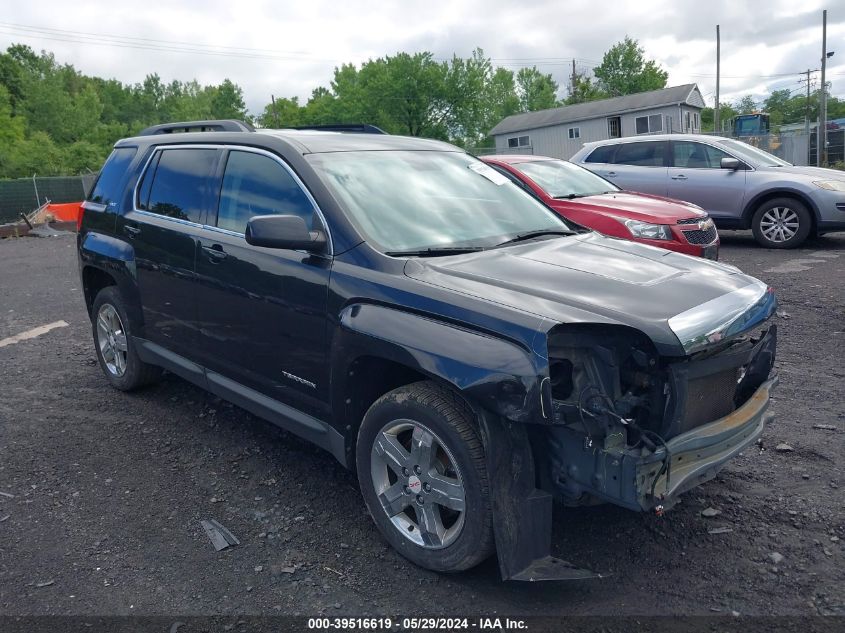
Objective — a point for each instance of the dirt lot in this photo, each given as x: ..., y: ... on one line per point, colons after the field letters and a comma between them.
x: 104, y: 491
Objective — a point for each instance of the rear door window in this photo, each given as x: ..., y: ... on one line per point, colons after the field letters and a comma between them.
x: 254, y: 184
x: 642, y: 154
x: 107, y: 189
x: 178, y: 184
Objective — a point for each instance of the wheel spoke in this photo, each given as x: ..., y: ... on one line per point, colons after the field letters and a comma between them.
x: 422, y: 449
x: 394, y: 499
x: 102, y: 325
x: 447, y: 492
x: 391, y: 452
x: 430, y: 525
x: 108, y: 353
x: 120, y: 361
x: 120, y: 341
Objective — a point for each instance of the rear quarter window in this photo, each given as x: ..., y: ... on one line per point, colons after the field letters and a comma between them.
x: 107, y: 188
x: 601, y: 155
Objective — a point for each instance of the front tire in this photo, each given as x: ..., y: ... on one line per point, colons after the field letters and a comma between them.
x: 422, y: 471
x: 116, y: 351
x: 781, y: 223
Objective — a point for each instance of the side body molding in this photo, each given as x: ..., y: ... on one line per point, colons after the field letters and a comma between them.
x: 499, y: 375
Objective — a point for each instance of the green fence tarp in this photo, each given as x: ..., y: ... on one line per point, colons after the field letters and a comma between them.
x: 19, y: 195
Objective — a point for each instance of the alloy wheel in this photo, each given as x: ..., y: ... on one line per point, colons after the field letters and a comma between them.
x: 779, y: 224
x: 418, y: 484
x: 111, y: 338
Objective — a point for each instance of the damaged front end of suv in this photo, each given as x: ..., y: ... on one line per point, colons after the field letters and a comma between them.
x: 637, y: 428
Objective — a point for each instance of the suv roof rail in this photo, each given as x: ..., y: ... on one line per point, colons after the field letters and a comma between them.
x: 352, y: 128
x: 221, y: 125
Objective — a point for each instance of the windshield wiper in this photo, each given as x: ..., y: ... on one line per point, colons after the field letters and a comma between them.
x: 572, y: 196
x: 532, y: 234
x: 434, y: 252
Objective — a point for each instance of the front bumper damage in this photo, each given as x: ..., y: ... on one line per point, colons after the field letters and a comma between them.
x: 630, y: 428
x: 698, y: 455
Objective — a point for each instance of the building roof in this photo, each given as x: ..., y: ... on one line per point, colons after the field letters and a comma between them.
x: 603, y: 107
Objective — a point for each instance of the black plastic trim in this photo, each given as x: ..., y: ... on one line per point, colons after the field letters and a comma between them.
x: 280, y: 414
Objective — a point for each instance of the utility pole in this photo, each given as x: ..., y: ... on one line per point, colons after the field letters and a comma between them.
x: 821, y: 135
x: 807, y: 116
x: 718, y: 72
x: 572, y: 91
x: 275, y: 113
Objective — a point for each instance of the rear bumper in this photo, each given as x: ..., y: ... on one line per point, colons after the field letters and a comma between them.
x: 699, y: 454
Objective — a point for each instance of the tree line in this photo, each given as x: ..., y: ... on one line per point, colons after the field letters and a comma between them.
x: 56, y: 120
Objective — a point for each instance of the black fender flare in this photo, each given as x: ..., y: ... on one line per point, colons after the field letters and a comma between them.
x: 117, y: 259
x: 498, y: 374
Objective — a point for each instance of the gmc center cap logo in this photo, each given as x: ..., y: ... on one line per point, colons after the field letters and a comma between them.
x: 414, y: 484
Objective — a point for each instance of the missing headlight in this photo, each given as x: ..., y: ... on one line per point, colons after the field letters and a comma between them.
x: 560, y: 373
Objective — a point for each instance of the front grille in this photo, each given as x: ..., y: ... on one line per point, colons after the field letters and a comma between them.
x: 701, y: 237
x: 709, y: 398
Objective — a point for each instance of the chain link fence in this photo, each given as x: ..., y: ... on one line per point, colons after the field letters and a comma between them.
x: 23, y: 195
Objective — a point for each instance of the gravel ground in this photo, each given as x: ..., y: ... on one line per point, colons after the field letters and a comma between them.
x: 102, y: 493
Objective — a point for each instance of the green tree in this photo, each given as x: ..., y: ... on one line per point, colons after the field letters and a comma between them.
x: 227, y: 102
x: 746, y: 105
x: 726, y: 113
x: 582, y: 89
x: 536, y: 91
x: 285, y: 113
x: 624, y: 70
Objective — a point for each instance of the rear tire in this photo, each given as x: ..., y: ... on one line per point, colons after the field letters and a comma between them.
x: 116, y: 351
x: 423, y: 475
x: 781, y: 223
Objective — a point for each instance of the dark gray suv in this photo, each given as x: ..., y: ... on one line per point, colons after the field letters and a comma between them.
x: 407, y: 308
x: 739, y: 185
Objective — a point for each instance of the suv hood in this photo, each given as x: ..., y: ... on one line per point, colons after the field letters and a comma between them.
x: 589, y: 277
x: 637, y: 206
x: 811, y: 173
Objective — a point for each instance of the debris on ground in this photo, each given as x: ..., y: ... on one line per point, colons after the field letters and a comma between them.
x: 220, y: 537
x: 776, y: 558
x: 4, y: 518
x: 720, y: 530
x: 710, y: 512
x: 39, y: 585
x: 824, y: 427
x: 6, y: 494
x: 783, y: 447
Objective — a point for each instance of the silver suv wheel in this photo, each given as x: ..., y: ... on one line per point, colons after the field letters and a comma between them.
x: 418, y: 484
x: 779, y: 224
x: 111, y: 338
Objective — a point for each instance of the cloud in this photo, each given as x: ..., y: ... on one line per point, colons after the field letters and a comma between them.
x: 288, y: 49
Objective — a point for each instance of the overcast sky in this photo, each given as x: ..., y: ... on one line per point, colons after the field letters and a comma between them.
x: 289, y: 48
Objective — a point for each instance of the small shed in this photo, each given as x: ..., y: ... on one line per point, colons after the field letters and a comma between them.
x: 560, y: 132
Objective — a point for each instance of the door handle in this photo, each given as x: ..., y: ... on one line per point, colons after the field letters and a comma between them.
x: 131, y: 231
x: 679, y: 177
x: 215, y: 253
x: 610, y: 173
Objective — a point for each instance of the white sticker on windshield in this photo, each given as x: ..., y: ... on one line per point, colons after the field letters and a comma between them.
x: 489, y: 173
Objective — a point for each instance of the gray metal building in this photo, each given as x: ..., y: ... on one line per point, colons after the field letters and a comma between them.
x: 560, y: 132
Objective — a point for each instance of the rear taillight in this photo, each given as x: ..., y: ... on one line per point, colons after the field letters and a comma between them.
x: 79, y: 215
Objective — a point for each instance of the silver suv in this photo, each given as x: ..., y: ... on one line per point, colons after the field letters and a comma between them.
x: 739, y: 185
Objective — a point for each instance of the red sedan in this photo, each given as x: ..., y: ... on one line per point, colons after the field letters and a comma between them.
x: 583, y: 197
